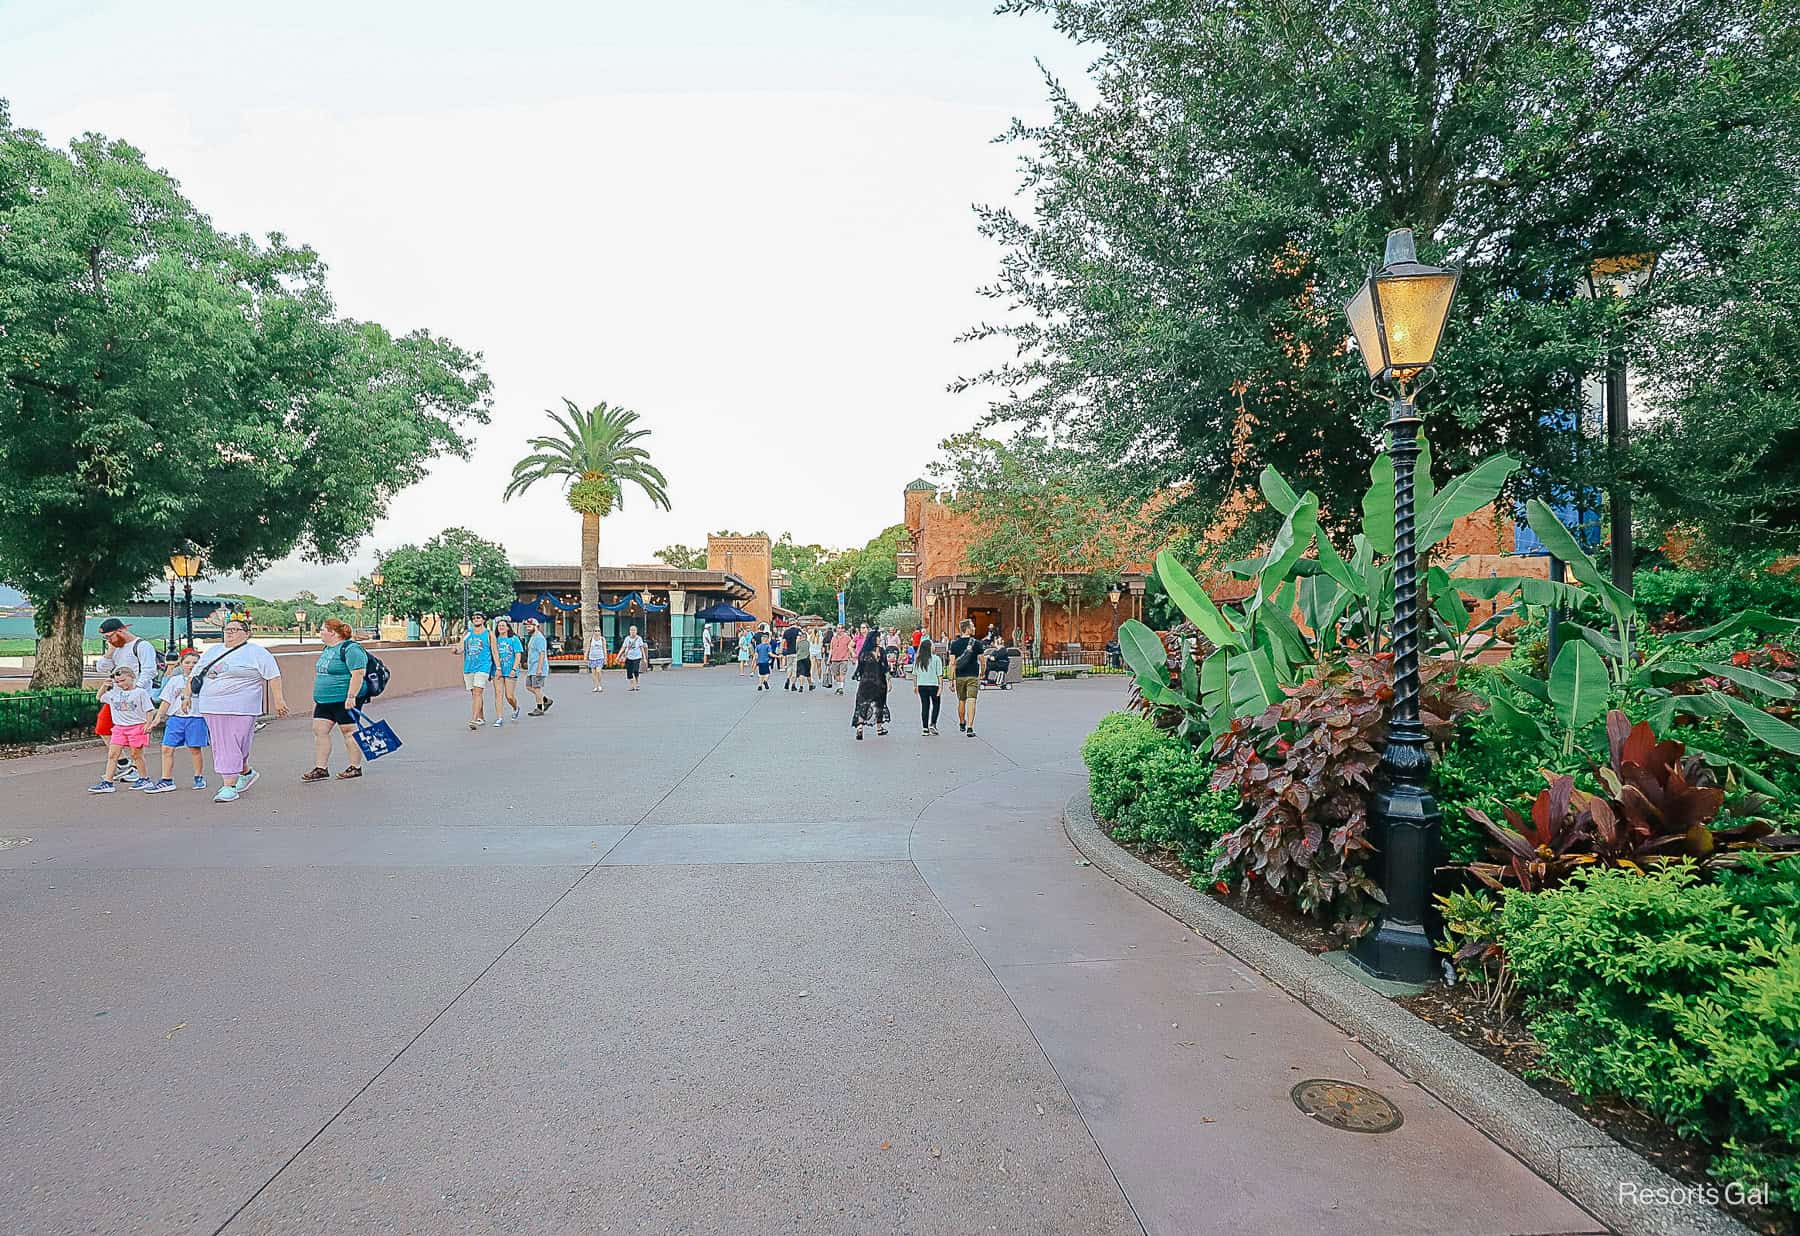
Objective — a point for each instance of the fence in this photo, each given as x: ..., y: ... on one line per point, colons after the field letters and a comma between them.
x: 35, y: 716
x: 1091, y: 660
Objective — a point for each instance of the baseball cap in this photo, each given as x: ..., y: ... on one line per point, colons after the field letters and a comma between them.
x: 108, y: 626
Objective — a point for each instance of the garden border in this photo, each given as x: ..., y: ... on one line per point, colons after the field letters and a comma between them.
x: 1588, y: 1166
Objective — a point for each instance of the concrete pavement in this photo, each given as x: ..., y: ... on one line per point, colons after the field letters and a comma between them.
x: 689, y: 960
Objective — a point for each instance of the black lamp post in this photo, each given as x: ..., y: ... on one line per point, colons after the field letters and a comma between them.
x: 1622, y: 276
x: 186, y: 568
x: 169, y: 648
x: 300, y: 624
x: 376, y: 579
x: 1398, y: 316
x: 466, y: 569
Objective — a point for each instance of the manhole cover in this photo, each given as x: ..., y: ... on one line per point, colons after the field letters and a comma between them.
x: 7, y: 843
x: 1346, y: 1105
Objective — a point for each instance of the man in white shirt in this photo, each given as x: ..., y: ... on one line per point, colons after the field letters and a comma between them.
x: 124, y: 648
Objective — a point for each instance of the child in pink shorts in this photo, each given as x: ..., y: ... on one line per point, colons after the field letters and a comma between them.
x: 131, y: 707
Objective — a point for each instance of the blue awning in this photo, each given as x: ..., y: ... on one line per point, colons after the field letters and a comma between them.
x: 724, y: 611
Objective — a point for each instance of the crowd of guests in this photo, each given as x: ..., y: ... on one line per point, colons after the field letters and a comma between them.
x: 869, y: 659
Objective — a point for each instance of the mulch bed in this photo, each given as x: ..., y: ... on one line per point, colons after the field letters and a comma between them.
x: 1503, y: 1038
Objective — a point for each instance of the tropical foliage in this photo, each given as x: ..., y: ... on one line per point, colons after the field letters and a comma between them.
x: 594, y: 452
x: 420, y: 581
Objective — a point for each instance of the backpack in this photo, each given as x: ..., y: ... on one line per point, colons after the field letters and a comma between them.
x: 375, y: 674
x: 156, y: 678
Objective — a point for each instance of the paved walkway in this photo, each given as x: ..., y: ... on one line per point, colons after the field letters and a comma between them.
x: 685, y: 961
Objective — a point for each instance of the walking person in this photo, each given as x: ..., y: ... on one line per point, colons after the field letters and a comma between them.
x: 478, y: 666
x: 746, y: 647
x: 810, y: 655
x: 182, y: 728
x: 968, y: 652
x: 537, y: 666
x: 337, y: 686
x: 228, y: 684
x: 633, y: 652
x: 928, y: 674
x: 509, y: 658
x: 596, y: 660
x: 841, y: 649
x: 871, y: 688
x: 765, y: 661
x: 131, y: 707
x: 123, y: 647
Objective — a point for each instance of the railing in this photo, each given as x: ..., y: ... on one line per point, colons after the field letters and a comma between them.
x: 33, y: 716
x: 1090, y: 658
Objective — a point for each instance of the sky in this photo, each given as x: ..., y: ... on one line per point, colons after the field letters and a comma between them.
x: 750, y: 222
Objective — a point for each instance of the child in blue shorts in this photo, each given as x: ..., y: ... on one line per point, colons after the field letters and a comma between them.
x: 184, y: 727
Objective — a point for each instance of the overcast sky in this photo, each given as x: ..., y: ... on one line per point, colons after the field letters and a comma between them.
x: 749, y: 221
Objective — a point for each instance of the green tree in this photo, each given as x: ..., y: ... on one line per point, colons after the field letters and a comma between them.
x: 1042, y: 517
x: 594, y: 455
x: 870, y: 576
x: 682, y: 557
x: 1191, y: 236
x: 426, y: 579
x: 162, y: 383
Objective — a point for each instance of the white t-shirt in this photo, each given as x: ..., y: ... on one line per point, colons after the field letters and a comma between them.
x: 234, y: 679
x: 128, y: 707
x: 171, y: 695
x: 633, y: 648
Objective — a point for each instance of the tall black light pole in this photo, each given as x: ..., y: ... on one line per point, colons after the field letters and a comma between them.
x: 186, y: 567
x: 466, y: 569
x: 1398, y: 316
x: 169, y: 648
x: 1620, y: 276
x: 376, y: 578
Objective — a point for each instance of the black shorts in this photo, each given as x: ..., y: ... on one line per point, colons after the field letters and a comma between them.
x: 803, y: 667
x: 633, y: 665
x: 337, y: 714
x: 763, y: 669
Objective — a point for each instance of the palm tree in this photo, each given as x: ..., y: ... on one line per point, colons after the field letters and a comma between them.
x: 594, y: 456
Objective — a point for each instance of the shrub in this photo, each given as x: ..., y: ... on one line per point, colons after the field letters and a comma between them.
x: 1675, y: 597
x: 1152, y: 788
x: 1489, y: 764
x: 33, y: 716
x: 903, y: 618
x: 1680, y: 997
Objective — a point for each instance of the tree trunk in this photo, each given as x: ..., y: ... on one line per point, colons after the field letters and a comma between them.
x: 1037, y: 627
x: 590, y: 578
x: 59, y: 651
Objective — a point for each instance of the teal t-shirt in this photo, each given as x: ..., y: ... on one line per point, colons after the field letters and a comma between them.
x: 511, y: 651
x: 478, y: 653
x: 929, y: 673
x: 331, y: 682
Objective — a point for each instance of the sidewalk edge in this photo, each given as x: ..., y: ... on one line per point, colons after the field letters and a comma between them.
x: 1589, y: 1167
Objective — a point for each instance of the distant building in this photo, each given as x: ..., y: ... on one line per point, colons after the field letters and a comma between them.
x: 664, y: 603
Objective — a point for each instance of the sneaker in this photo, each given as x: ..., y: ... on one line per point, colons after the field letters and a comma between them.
x: 199, y: 783
x: 161, y: 786
x: 859, y: 738
x: 127, y: 774
x: 970, y: 731
x: 247, y: 780
x: 145, y: 784
x: 881, y: 731
x: 548, y: 702
x: 499, y: 721
x: 515, y: 715
x: 107, y: 787
x: 226, y: 794
x: 474, y: 725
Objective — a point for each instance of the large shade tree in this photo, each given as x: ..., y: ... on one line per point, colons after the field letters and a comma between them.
x: 163, y: 384
x: 425, y: 581
x: 1192, y: 232
x: 594, y: 453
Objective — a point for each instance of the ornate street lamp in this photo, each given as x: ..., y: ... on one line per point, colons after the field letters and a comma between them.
x: 466, y: 569
x: 376, y: 579
x: 169, y: 648
x: 1398, y: 316
x: 1621, y: 276
x: 300, y: 623
x: 185, y: 566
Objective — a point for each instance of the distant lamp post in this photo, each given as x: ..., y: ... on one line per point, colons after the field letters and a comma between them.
x: 186, y: 568
x: 466, y: 569
x: 376, y: 579
x: 169, y: 648
x: 1398, y: 317
x: 300, y: 623
x: 1621, y: 276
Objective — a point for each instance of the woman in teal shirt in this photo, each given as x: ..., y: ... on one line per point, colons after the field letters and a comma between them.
x: 928, y: 676
x: 478, y: 665
x: 509, y: 657
x: 337, y: 684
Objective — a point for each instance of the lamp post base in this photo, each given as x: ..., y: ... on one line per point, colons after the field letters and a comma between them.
x: 1404, y: 828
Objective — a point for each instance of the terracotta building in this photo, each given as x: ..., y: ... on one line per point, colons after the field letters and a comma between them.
x: 947, y: 589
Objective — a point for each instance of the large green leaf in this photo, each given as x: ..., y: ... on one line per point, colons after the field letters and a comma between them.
x: 1254, y: 685
x: 1464, y: 495
x: 1532, y: 589
x: 1603, y: 643
x: 1191, y: 599
x: 1279, y: 493
x: 1519, y: 722
x: 1774, y: 688
x: 1772, y: 730
x: 1215, y: 690
x: 1378, y: 505
x: 1291, y: 540
x: 1537, y: 688
x: 1143, y: 649
x: 1446, y: 601
x: 1578, y: 686
x: 1190, y: 673
x: 1751, y: 619
x: 1332, y: 563
x: 1276, y: 631
x: 1562, y: 543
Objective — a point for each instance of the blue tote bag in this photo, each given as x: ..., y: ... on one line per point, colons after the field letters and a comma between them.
x: 376, y: 738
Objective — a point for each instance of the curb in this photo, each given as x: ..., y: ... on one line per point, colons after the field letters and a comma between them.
x: 1589, y: 1167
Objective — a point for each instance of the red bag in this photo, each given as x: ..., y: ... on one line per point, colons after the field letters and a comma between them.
x: 103, y: 724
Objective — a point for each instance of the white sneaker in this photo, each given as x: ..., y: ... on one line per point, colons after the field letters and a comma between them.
x: 499, y: 721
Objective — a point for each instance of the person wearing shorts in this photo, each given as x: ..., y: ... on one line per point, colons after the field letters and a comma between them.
x: 478, y: 666
x: 181, y: 727
x: 765, y: 661
x: 131, y: 707
x: 537, y: 666
x: 967, y: 652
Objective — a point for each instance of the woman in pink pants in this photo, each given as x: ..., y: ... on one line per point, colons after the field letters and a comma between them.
x: 228, y: 686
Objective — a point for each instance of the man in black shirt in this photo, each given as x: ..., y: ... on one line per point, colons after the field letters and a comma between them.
x: 967, y: 652
x: 790, y: 640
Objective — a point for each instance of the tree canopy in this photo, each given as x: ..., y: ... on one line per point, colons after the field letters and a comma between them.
x: 163, y: 384
x: 1190, y: 237
x: 425, y: 579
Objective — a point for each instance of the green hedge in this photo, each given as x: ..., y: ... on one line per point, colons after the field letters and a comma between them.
x: 1153, y: 788
x: 1681, y: 997
x: 1700, y: 598
x: 33, y: 716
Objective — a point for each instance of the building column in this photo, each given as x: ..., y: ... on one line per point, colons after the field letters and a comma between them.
x: 609, y: 627
x: 679, y: 626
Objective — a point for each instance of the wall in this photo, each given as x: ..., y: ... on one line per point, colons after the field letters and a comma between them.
x: 411, y: 670
x: 746, y: 557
